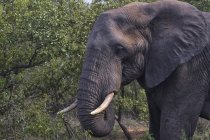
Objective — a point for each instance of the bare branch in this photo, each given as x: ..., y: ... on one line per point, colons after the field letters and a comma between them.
x: 125, y: 130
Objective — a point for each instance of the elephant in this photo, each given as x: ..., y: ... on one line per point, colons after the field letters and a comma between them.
x: 165, y: 46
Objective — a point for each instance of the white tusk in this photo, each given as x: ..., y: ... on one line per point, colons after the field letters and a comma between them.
x: 104, y: 105
x: 72, y: 106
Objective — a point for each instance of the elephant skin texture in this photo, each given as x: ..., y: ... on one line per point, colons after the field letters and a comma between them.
x: 165, y: 46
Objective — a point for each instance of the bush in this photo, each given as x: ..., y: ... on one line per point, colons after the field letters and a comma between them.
x: 42, y: 48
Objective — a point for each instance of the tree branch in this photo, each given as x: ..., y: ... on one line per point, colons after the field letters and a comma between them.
x: 16, y: 69
x: 125, y: 130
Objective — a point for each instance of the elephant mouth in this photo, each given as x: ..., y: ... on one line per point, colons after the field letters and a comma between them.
x: 125, y: 79
x: 101, y: 108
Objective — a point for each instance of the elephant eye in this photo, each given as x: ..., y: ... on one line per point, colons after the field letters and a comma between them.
x: 119, y: 49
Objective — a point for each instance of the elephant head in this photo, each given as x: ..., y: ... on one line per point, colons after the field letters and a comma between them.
x: 145, y: 41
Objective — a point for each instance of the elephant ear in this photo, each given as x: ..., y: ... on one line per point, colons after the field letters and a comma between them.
x: 179, y: 32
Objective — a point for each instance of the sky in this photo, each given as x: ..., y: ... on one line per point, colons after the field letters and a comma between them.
x: 88, y: 1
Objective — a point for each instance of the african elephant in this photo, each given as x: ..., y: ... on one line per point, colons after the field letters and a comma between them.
x: 165, y: 46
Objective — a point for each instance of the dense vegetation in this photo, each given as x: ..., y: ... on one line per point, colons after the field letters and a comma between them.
x: 42, y: 44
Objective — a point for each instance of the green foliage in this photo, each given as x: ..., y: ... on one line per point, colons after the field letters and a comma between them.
x: 39, y: 122
x: 134, y: 101
x: 202, y: 132
x: 203, y: 5
x: 42, y: 45
x: 40, y: 62
x: 146, y: 136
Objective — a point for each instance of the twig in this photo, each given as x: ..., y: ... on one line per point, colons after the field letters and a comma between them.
x: 125, y: 130
x: 120, y: 108
x: 67, y: 128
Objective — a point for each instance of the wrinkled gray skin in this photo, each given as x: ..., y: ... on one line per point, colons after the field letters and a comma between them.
x: 165, y: 46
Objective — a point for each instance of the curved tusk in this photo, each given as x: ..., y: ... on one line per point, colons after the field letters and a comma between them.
x: 72, y: 106
x: 104, y: 105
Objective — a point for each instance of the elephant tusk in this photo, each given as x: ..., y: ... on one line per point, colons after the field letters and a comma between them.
x: 72, y: 106
x: 104, y: 105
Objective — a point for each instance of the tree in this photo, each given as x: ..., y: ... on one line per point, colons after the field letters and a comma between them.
x: 42, y: 46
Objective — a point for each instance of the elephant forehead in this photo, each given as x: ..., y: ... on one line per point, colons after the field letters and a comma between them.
x: 127, y: 35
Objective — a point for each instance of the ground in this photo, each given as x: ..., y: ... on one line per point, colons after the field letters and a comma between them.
x: 136, y: 128
x: 139, y: 130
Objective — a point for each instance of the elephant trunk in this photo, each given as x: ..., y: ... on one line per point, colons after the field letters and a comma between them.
x: 90, y: 96
x: 98, y: 125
